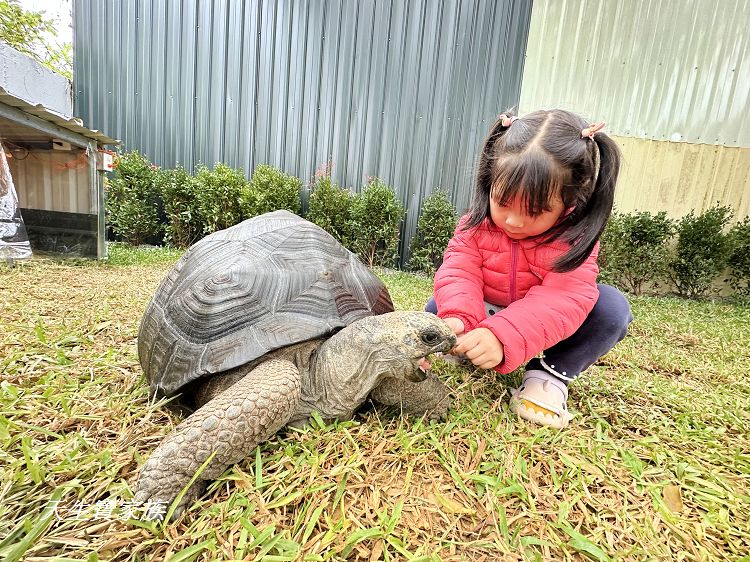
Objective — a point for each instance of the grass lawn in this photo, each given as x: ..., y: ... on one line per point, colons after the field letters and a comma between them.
x: 654, y: 466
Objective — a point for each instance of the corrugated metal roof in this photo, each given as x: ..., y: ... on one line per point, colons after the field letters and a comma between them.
x: 73, y: 124
x: 676, y: 71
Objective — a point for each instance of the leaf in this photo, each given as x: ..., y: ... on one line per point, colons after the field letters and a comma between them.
x: 452, y: 506
x: 101, y: 326
x: 192, y: 552
x: 39, y: 330
x: 584, y: 545
x: 529, y: 541
x: 41, y: 524
x: 377, y: 551
x: 673, y: 498
x: 284, y: 500
x: 311, y: 523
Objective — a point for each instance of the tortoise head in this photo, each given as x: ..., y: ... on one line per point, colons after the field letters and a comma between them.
x: 393, y: 344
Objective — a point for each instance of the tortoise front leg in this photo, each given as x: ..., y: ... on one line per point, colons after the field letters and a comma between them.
x: 231, y: 425
x: 429, y: 397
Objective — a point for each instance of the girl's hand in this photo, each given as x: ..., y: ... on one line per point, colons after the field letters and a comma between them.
x: 481, y: 347
x: 455, y: 324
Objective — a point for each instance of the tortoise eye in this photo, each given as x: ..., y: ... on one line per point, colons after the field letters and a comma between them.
x: 429, y: 337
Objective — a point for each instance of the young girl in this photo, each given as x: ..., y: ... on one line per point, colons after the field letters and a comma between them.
x: 518, y: 282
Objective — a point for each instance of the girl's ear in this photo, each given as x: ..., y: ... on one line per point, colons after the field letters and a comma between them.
x: 594, y: 214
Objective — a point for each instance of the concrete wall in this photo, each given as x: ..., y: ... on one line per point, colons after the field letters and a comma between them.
x: 23, y: 77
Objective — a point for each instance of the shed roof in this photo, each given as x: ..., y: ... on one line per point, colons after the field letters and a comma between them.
x: 73, y: 124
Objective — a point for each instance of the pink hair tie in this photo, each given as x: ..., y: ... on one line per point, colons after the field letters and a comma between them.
x: 591, y: 130
x: 506, y: 121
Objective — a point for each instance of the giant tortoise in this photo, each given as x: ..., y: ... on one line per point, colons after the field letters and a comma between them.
x: 260, y: 325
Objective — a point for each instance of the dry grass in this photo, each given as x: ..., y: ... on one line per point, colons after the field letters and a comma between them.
x: 655, y: 465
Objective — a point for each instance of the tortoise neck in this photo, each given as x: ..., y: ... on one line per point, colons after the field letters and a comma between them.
x: 344, y: 372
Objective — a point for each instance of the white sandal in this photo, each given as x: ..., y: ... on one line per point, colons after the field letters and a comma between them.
x: 542, y: 399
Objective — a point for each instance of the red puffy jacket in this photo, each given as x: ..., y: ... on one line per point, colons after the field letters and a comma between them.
x: 542, y: 307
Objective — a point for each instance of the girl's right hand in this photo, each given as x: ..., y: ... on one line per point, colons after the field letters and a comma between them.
x: 481, y: 347
x: 455, y: 324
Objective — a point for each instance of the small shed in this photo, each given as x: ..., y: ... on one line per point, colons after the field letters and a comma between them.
x: 56, y: 163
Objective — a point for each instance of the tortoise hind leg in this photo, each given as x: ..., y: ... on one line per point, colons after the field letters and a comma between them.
x: 230, y: 425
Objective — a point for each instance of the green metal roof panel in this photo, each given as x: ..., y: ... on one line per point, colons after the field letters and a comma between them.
x: 662, y: 70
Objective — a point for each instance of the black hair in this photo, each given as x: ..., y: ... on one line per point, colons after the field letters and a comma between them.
x: 542, y: 156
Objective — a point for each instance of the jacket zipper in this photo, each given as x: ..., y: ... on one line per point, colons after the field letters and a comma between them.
x: 513, y: 267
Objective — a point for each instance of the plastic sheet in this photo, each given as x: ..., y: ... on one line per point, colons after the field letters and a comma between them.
x: 14, y: 240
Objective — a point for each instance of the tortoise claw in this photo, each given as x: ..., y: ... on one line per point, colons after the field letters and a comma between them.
x: 158, y: 487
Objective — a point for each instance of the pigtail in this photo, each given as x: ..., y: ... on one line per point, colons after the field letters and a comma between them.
x: 586, y: 224
x: 480, y: 202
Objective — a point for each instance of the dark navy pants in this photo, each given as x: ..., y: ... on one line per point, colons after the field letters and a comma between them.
x: 606, y: 325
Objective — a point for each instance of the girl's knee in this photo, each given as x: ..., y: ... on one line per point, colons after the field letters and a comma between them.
x: 431, y: 306
x: 613, y: 309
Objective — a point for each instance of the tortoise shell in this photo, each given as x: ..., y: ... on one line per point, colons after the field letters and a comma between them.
x: 268, y: 282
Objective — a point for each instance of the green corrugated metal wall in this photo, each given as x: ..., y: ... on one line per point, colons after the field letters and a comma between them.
x: 403, y: 90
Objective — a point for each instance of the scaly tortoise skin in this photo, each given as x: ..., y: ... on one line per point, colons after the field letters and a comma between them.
x: 262, y: 324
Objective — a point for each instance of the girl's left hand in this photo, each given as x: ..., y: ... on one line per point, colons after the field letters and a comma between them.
x: 481, y: 347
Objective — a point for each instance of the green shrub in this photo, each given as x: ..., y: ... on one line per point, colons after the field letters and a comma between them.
x: 330, y: 207
x: 181, y: 206
x: 223, y: 196
x: 435, y: 227
x: 272, y: 190
x: 739, y: 257
x: 376, y: 220
x: 634, y: 250
x: 134, y: 206
x: 701, y: 252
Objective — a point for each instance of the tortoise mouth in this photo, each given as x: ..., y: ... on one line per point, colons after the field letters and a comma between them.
x: 416, y: 374
x: 422, y: 366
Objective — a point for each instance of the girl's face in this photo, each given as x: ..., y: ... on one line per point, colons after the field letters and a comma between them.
x: 512, y: 218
